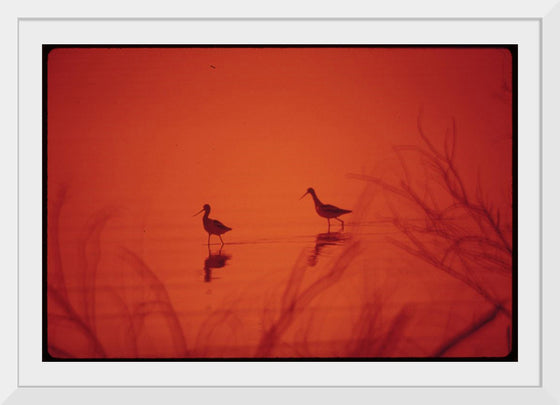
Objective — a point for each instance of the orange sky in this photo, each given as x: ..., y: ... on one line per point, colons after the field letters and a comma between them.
x: 167, y: 125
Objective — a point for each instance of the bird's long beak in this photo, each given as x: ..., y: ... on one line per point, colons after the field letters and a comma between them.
x: 198, y: 212
x: 307, y: 192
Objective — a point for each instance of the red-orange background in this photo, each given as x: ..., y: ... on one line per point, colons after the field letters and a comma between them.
x: 155, y: 133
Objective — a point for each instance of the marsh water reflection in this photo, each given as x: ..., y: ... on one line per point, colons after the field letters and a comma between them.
x: 322, y: 241
x: 214, y: 261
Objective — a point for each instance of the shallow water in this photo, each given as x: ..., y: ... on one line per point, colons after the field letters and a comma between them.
x: 343, y: 293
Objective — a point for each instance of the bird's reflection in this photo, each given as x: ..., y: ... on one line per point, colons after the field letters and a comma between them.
x: 323, y: 240
x: 214, y: 261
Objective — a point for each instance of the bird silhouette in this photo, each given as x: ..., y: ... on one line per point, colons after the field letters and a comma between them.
x: 212, y: 226
x: 326, y: 210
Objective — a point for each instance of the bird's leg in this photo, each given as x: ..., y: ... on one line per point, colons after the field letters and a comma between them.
x: 329, y: 228
x: 341, y: 222
x: 221, y: 239
x: 209, y: 241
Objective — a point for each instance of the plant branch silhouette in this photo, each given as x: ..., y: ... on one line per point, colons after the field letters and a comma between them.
x: 462, y: 249
x: 293, y: 301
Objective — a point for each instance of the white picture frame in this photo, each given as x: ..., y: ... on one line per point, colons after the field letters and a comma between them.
x: 539, y: 390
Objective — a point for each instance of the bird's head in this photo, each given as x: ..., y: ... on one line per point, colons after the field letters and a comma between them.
x: 309, y: 191
x: 206, y: 208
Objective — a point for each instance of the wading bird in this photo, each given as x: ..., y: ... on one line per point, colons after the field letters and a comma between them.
x: 326, y: 210
x: 212, y: 226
